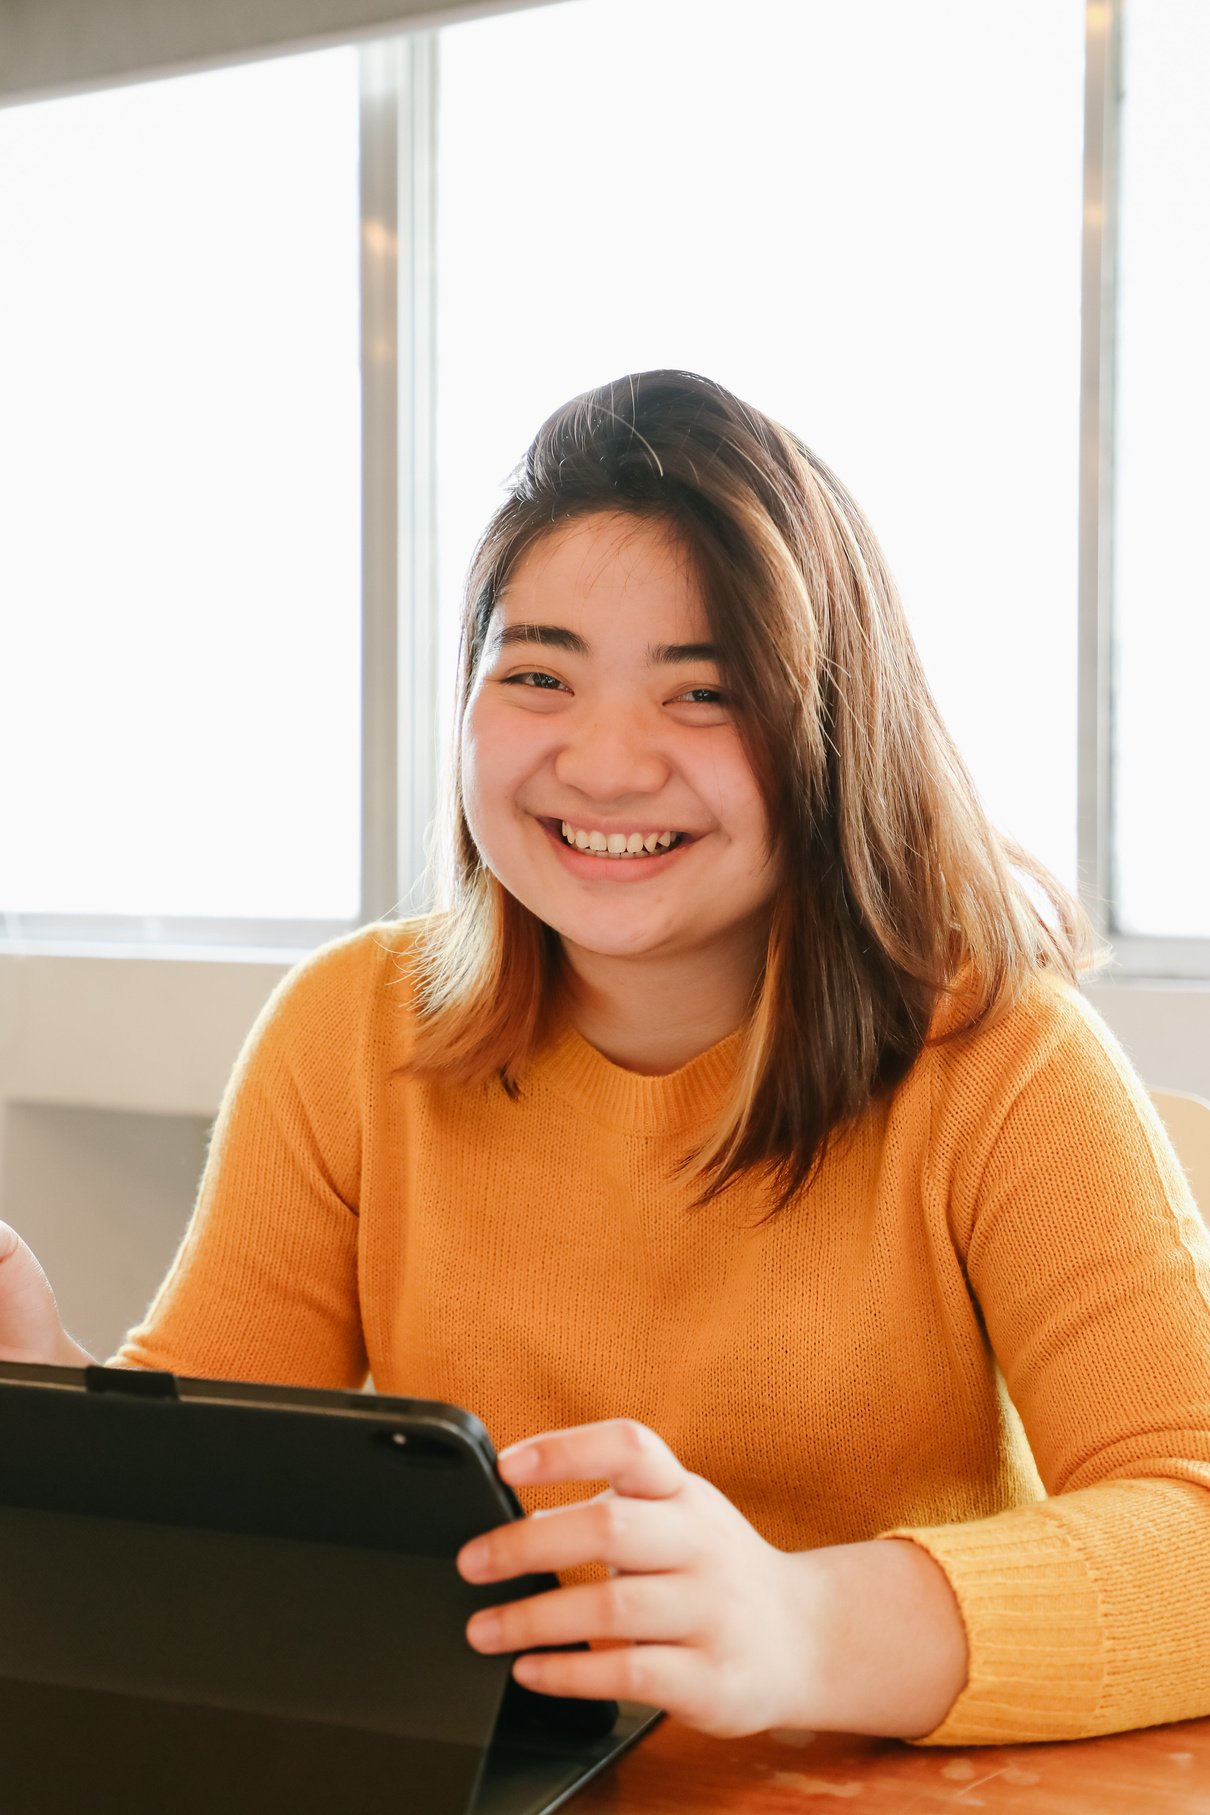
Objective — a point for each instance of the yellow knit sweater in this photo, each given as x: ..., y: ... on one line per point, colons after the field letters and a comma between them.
x: 996, y: 1291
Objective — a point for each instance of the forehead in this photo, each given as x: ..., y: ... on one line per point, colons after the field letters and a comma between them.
x: 606, y: 564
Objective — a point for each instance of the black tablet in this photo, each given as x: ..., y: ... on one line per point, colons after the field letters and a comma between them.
x: 217, y: 1595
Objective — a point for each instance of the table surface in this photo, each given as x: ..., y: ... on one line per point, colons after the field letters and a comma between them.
x: 1157, y: 1771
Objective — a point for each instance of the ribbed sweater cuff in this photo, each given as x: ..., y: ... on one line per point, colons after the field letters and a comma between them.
x: 1033, y: 1628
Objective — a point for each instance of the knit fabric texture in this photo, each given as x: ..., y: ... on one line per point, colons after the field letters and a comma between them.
x: 984, y: 1325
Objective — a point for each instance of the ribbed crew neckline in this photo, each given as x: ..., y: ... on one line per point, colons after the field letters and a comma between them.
x: 631, y: 1101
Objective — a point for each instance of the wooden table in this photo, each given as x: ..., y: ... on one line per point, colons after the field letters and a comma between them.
x: 1158, y: 1771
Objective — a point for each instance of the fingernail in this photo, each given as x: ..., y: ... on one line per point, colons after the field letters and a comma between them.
x: 484, y: 1631
x: 518, y: 1463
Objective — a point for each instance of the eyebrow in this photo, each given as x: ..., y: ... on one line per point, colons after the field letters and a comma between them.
x: 554, y: 636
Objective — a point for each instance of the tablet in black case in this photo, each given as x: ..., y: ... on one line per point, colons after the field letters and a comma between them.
x: 224, y: 1597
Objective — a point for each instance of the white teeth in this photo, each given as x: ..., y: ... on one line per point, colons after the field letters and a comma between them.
x: 617, y: 844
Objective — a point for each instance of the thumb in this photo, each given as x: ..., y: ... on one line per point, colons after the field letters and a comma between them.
x: 30, y: 1327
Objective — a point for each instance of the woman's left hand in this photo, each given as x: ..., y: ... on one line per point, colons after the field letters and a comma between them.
x: 706, y: 1611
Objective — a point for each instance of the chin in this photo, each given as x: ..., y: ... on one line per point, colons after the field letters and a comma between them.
x: 612, y: 941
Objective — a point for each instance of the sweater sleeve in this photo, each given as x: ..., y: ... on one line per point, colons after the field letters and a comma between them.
x: 1089, y: 1611
x: 264, y: 1285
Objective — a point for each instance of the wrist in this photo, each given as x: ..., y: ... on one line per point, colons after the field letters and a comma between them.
x: 883, y: 1646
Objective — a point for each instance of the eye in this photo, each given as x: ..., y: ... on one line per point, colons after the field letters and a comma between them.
x: 703, y: 696
x: 532, y: 677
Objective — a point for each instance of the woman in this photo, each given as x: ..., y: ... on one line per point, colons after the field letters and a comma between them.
x: 734, y: 1140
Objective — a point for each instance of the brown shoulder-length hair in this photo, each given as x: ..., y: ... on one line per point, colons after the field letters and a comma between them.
x: 893, y: 888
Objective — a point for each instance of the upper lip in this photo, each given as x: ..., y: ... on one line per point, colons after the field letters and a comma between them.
x: 646, y: 827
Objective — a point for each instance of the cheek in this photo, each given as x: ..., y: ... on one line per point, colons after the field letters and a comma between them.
x: 478, y: 771
x: 739, y: 802
x: 495, y: 763
x: 751, y: 841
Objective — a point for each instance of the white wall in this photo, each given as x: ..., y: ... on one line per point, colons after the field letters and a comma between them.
x: 1165, y: 1028
x: 102, y: 1196
x: 111, y: 1070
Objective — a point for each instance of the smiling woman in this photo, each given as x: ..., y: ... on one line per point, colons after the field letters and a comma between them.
x: 776, y: 1176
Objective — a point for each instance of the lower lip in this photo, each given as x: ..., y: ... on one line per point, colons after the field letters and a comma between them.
x: 612, y: 869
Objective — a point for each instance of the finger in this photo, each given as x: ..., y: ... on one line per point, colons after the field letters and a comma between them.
x: 662, y: 1676
x: 622, y: 1533
x: 619, y: 1450
x: 626, y: 1608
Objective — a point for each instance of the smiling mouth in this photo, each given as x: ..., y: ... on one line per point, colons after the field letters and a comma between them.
x: 592, y: 842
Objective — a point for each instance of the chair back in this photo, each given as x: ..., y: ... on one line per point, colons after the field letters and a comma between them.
x: 1187, y: 1119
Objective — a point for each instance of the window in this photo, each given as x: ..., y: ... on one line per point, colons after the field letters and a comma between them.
x: 867, y: 218
x: 179, y: 460
x: 1161, y: 749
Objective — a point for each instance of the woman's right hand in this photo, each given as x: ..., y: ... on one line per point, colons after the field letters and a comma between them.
x: 30, y: 1326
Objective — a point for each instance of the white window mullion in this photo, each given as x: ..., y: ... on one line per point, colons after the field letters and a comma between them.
x: 417, y: 492
x: 398, y: 186
x: 381, y: 66
x: 1098, y: 288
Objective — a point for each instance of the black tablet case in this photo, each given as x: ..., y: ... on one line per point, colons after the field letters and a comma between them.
x: 226, y: 1598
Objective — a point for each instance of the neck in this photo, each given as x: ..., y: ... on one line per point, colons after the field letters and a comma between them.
x: 652, y: 1014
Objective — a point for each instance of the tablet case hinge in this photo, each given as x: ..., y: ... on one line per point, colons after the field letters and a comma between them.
x: 139, y: 1383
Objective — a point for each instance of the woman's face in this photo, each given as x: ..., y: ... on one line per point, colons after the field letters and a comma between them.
x: 597, y: 721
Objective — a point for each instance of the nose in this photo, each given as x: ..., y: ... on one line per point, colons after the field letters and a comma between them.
x: 610, y: 756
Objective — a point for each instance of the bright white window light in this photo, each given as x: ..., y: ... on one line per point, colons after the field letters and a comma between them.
x: 863, y: 218
x: 1162, y: 480
x: 179, y: 470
